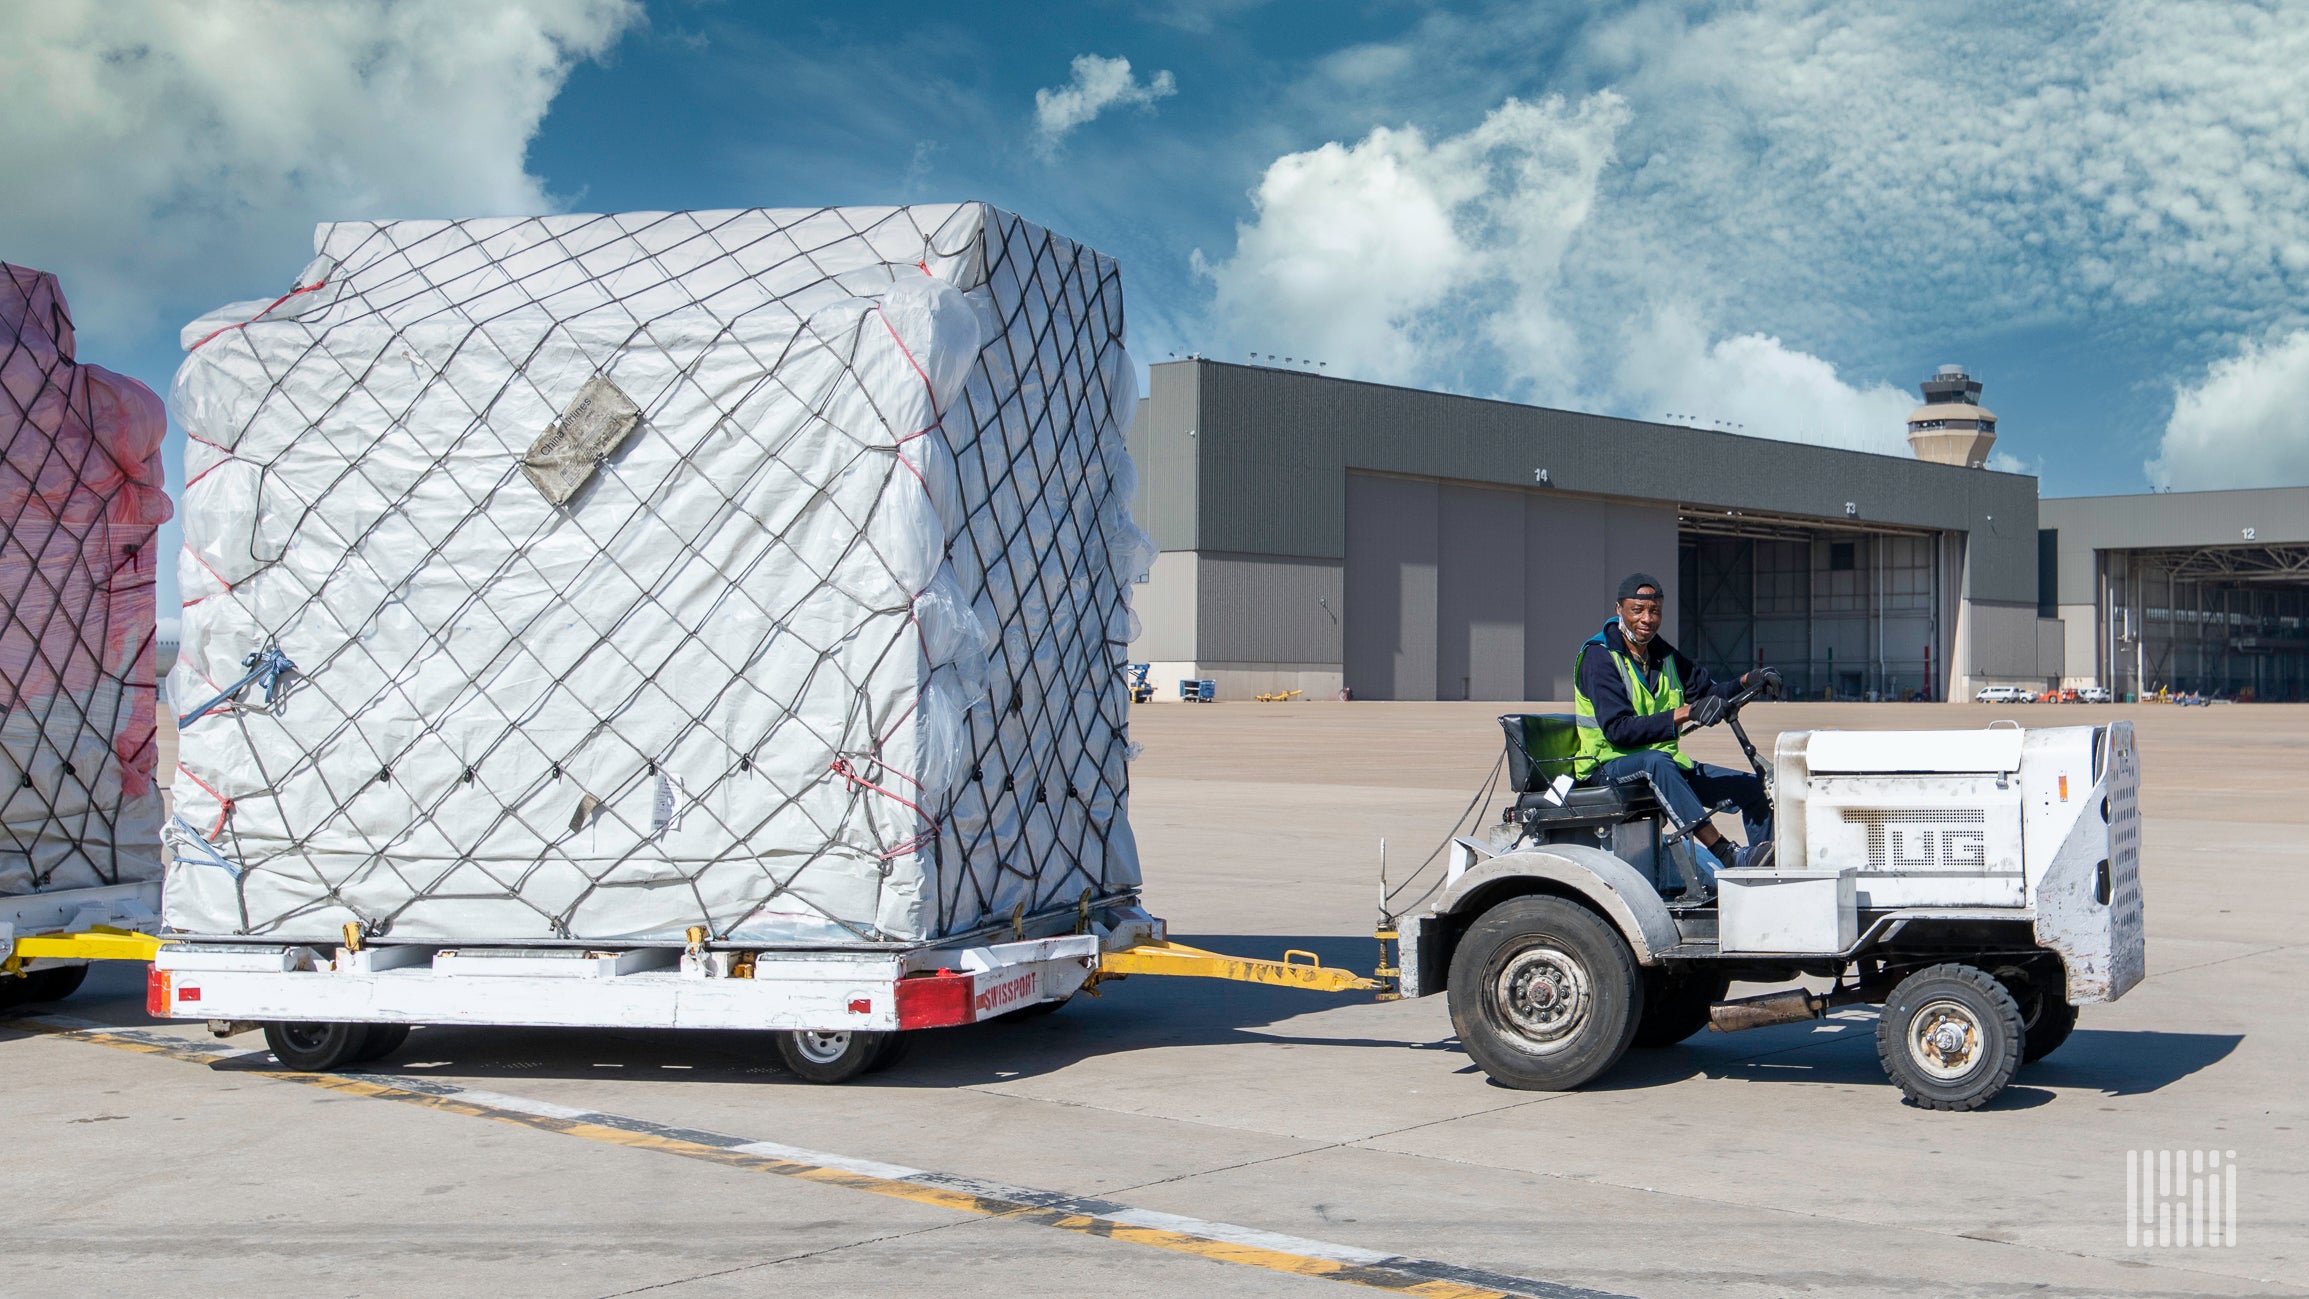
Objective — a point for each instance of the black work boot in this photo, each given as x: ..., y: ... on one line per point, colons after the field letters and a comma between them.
x: 1699, y: 878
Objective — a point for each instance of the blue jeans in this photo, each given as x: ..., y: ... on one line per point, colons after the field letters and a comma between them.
x: 1687, y: 795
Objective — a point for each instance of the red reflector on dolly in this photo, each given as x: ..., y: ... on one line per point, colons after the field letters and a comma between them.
x: 862, y: 1006
x: 156, y: 992
x: 936, y: 1000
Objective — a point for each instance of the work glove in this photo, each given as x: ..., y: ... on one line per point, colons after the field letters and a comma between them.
x: 1766, y: 682
x: 1707, y: 710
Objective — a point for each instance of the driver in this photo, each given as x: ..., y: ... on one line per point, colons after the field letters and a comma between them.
x: 1632, y: 700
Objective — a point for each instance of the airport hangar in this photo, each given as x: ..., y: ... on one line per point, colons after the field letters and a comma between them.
x: 1316, y: 534
x: 2193, y: 591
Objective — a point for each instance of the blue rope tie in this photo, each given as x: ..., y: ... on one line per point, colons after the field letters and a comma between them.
x: 265, y: 667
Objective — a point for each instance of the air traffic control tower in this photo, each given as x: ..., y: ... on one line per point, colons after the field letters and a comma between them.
x: 1950, y: 428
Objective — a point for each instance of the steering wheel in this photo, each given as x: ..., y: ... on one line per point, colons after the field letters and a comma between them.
x: 1733, y: 703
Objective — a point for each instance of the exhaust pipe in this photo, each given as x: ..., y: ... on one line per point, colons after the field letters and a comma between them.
x: 1793, y: 1006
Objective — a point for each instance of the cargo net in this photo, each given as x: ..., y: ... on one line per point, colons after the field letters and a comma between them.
x: 600, y: 577
x: 81, y: 496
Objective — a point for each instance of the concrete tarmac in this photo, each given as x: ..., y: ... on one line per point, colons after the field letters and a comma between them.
x: 1773, y: 1162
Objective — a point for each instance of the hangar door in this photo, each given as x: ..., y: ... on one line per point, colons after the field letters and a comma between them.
x: 1461, y: 591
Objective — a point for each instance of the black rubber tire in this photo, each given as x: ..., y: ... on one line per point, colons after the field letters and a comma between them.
x: 15, y: 990
x: 1974, y: 1014
x: 384, y: 1040
x: 315, y: 1048
x: 1676, y: 1003
x: 895, y: 1048
x: 2046, y: 1017
x: 56, y: 983
x: 1037, y: 1010
x: 831, y: 1057
x: 1580, y: 1028
x: 2054, y: 1021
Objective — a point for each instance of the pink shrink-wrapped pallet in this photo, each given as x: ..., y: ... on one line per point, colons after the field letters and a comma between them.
x: 81, y: 497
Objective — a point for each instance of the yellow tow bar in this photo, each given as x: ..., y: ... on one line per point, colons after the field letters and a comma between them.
x: 1194, y: 962
x: 102, y: 943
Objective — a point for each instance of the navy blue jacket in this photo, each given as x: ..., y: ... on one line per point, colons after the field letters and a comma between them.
x: 1615, y: 713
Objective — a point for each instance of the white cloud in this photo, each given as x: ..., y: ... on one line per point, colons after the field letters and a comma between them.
x: 1099, y: 84
x: 2245, y: 423
x: 2004, y: 462
x: 1755, y: 384
x: 1885, y: 185
x: 1198, y: 16
x: 1926, y: 168
x: 1389, y: 257
x: 1404, y: 259
x: 163, y: 156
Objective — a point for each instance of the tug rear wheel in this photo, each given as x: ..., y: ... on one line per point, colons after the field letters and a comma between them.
x: 1544, y: 994
x: 1676, y: 1002
x: 315, y: 1048
x: 1950, y: 1037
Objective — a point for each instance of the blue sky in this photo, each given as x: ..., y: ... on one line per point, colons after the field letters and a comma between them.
x: 1776, y: 214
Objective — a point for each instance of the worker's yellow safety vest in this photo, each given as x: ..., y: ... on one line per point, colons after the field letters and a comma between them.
x: 1594, y: 747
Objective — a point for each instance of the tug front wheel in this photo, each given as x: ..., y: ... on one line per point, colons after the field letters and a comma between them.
x: 1951, y: 1037
x: 2046, y: 1017
x: 1544, y: 994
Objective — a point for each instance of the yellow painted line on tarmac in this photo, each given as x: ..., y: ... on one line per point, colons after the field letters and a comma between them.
x: 1080, y: 1215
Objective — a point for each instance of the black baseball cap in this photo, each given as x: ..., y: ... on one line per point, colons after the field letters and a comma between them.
x: 1633, y: 588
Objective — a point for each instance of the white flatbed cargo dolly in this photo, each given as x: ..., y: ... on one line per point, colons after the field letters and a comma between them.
x: 839, y: 1012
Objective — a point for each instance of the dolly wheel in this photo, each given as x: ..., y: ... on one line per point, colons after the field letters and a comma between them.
x: 52, y: 984
x: 384, y: 1040
x: 58, y: 982
x: 315, y: 1048
x: 834, y: 1057
x: 1544, y: 993
x: 1950, y: 1037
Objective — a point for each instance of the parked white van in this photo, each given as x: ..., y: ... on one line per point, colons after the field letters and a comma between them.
x: 2002, y: 695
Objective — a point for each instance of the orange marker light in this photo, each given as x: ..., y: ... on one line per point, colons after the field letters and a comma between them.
x: 2064, y: 789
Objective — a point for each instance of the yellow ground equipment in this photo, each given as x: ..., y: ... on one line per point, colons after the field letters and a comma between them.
x: 103, y: 943
x: 1297, y: 969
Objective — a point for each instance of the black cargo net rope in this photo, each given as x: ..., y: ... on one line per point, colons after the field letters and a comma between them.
x: 78, y: 720
x: 1038, y: 382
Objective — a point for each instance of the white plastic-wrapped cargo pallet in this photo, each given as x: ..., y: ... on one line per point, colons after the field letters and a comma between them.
x: 603, y: 576
x: 81, y: 497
